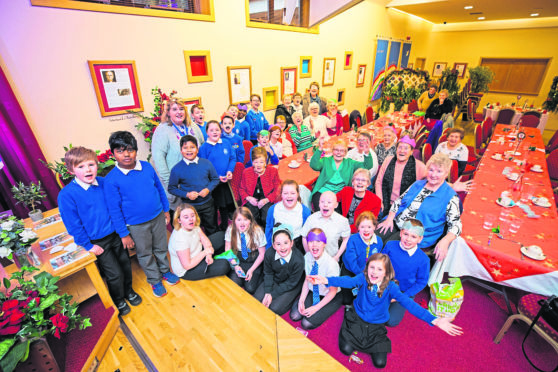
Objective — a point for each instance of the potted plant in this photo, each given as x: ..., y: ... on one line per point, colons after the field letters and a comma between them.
x: 551, y: 102
x: 15, y: 242
x: 30, y: 196
x: 480, y: 77
x: 31, y: 311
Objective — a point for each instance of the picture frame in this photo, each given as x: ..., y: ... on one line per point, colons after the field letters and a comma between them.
x: 288, y: 80
x: 328, y: 77
x: 270, y: 98
x: 361, y: 74
x: 189, y: 102
x: 439, y: 68
x: 348, y: 61
x: 305, y: 66
x: 340, y: 97
x: 198, y: 66
x: 116, y: 86
x: 240, y: 84
x: 461, y: 68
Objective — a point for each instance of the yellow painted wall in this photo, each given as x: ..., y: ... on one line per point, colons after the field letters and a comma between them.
x: 44, y: 52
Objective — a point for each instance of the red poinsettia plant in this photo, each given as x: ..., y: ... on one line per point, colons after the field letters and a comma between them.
x: 105, y: 160
x: 31, y: 309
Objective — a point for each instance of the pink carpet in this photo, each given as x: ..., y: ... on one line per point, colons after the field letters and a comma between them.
x: 419, y: 347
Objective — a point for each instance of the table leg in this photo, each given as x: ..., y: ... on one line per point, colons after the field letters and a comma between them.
x: 99, y: 284
x: 492, y: 287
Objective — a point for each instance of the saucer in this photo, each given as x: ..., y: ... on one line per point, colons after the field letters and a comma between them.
x: 540, y: 170
x: 512, y: 176
x: 526, y: 253
x: 503, y: 205
x: 499, y: 159
x: 294, y: 165
x: 541, y: 204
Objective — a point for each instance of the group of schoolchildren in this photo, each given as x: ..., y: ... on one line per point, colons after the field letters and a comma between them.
x: 293, y: 263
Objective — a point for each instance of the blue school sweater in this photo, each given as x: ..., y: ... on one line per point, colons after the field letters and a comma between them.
x: 354, y: 257
x: 257, y: 122
x: 236, y: 144
x: 85, y: 213
x: 411, y: 272
x: 135, y: 198
x: 221, y: 155
x: 194, y: 177
x: 374, y: 309
x: 202, y: 128
x: 242, y: 129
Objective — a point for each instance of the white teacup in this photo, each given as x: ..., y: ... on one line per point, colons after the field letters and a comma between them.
x: 294, y: 163
x: 535, y: 251
x: 497, y: 156
x: 536, y: 167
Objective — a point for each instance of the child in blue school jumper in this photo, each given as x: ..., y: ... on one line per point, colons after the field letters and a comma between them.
x: 255, y: 118
x: 85, y: 214
x: 228, y: 134
x: 139, y: 210
x: 411, y: 265
x: 359, y: 247
x: 198, y: 115
x: 363, y: 326
x: 263, y: 141
x: 223, y: 158
x: 241, y: 126
x: 193, y: 179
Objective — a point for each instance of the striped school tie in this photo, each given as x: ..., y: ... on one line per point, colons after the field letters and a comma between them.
x: 243, y: 246
x: 375, y: 289
x: 315, y: 287
x: 367, y: 250
x: 283, y: 261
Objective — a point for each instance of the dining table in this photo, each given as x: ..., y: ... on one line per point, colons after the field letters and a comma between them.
x: 493, y: 111
x: 505, y: 218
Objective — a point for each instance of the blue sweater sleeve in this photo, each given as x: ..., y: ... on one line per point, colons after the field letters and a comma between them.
x: 240, y: 153
x: 346, y: 281
x: 72, y: 221
x: 269, y: 222
x: 273, y: 157
x: 160, y: 188
x: 173, y: 182
x: 411, y: 305
x: 350, y: 255
x: 232, y: 159
x: 114, y: 204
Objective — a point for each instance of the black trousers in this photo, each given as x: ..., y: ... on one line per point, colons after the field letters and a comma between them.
x: 257, y: 277
x: 203, y: 271
x: 282, y: 303
x: 208, y: 216
x: 347, y: 293
x: 114, y: 264
x: 260, y: 215
x: 316, y: 201
x: 320, y: 316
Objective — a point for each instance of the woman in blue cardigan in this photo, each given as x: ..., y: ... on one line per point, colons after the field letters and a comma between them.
x: 434, y: 203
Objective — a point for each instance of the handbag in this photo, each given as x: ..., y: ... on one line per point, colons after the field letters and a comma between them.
x: 549, y: 312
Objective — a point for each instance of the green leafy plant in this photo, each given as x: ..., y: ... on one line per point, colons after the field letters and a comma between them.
x: 14, y: 236
x: 480, y: 77
x: 449, y: 81
x: 551, y: 102
x: 32, y: 309
x: 29, y: 195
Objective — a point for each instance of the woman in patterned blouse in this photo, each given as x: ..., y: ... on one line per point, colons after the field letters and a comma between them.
x: 387, y: 148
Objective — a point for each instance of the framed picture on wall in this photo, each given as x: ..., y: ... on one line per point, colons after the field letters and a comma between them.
x: 439, y: 67
x: 329, y: 72
x: 270, y: 98
x: 305, y: 66
x: 189, y: 102
x: 461, y: 68
x: 116, y: 86
x: 288, y: 80
x: 240, y: 84
x: 341, y: 97
x: 361, y: 73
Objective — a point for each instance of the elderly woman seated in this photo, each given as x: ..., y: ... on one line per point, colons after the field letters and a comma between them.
x: 387, y: 148
x: 300, y: 133
x: 454, y: 148
x: 336, y: 171
x: 316, y: 122
x: 364, y: 140
x: 335, y: 125
x: 434, y: 203
x: 440, y: 106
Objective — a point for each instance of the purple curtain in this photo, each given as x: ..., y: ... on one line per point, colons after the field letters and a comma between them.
x: 20, y: 153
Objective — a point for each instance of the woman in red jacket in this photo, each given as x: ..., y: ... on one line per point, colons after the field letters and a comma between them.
x: 357, y: 199
x: 260, y: 186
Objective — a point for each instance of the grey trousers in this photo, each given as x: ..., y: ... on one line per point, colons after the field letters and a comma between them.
x: 151, y: 247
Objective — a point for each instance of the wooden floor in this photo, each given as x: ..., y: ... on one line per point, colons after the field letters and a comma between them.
x: 210, y: 325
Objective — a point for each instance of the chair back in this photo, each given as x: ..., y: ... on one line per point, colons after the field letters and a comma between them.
x: 422, y: 129
x: 505, y: 116
x: 443, y: 138
x: 355, y: 118
x: 486, y: 129
x: 247, y: 148
x: 532, y: 113
x: 530, y: 121
x: 470, y: 109
x: 235, y: 182
x: 553, y: 143
x: 426, y: 152
x: 454, y: 171
x: 420, y: 140
x: 552, y: 164
x: 290, y: 139
x: 359, y: 122
x: 369, y: 114
x: 346, y: 123
x: 413, y: 106
x: 478, y: 140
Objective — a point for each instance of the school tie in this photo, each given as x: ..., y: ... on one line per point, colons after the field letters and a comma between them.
x: 283, y: 261
x: 315, y: 287
x: 367, y: 250
x: 375, y: 289
x: 243, y: 246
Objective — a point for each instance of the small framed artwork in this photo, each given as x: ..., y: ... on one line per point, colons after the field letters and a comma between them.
x: 329, y: 72
x: 361, y: 73
x: 305, y: 66
x: 240, y: 84
x: 288, y: 80
x: 270, y: 97
x: 116, y: 86
x: 461, y: 68
x: 341, y: 97
x: 348, y: 61
x: 439, y: 67
x: 189, y: 102
x: 198, y: 66
x: 410, y: 65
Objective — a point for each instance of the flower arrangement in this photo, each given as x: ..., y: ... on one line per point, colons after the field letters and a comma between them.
x: 14, y: 236
x: 105, y: 160
x: 148, y: 124
x: 31, y: 310
x: 551, y: 102
x: 401, y: 87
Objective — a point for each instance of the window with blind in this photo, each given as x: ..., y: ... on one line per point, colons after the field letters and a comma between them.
x: 186, y: 9
x: 517, y: 75
x: 287, y: 15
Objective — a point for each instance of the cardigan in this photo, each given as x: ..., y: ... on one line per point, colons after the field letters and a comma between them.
x: 424, y: 101
x: 338, y: 125
x: 370, y: 202
x: 420, y: 170
x: 286, y: 112
x: 410, y: 271
x: 327, y: 168
x: 270, y: 221
x: 271, y: 184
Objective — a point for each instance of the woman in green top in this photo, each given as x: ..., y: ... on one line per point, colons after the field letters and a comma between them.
x: 301, y: 135
x: 336, y: 171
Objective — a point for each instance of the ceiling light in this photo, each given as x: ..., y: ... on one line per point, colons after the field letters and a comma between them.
x: 481, y: 18
x: 534, y: 14
x: 469, y: 7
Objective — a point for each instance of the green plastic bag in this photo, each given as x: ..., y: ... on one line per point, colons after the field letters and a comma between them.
x: 419, y: 113
x: 446, y: 299
x: 229, y: 256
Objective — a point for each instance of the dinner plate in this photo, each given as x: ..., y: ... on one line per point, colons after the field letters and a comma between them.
x: 540, y: 204
x: 527, y: 254
x: 498, y: 159
x: 540, y: 170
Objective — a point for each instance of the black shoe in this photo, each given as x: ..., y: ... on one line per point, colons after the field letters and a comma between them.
x: 133, y: 298
x: 123, y: 307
